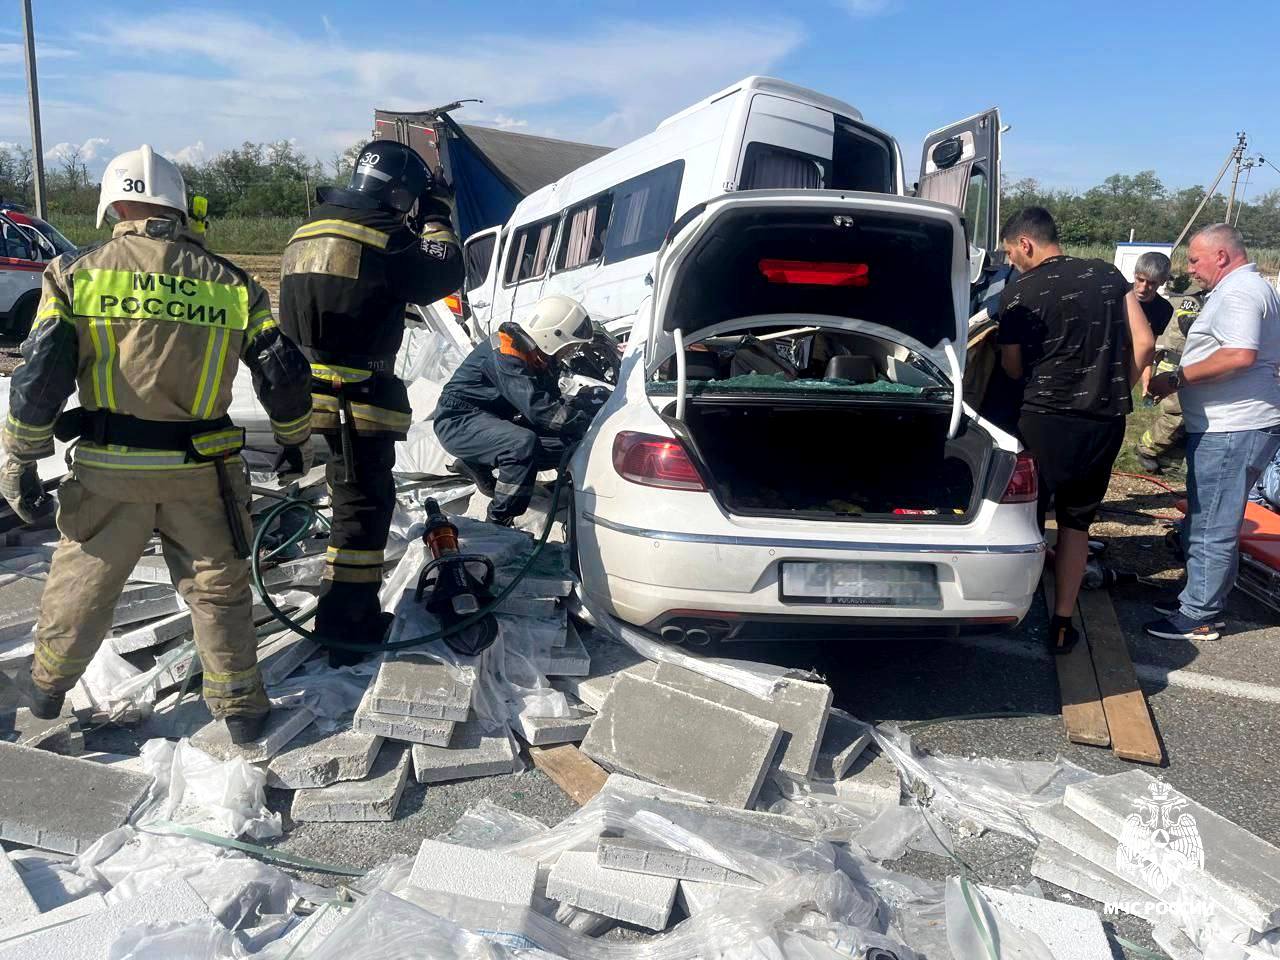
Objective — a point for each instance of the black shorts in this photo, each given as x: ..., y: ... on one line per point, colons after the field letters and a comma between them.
x: 1074, y: 456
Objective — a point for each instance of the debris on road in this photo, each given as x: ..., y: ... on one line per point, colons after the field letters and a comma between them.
x: 726, y: 808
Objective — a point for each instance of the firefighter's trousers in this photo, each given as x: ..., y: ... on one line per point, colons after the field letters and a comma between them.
x: 1166, y: 437
x: 517, y: 452
x: 362, y: 509
x: 102, y: 539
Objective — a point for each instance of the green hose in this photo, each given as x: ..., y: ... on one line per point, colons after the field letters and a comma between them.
x: 292, y: 503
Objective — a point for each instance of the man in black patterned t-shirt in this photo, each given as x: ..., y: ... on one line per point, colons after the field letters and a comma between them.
x: 1076, y: 336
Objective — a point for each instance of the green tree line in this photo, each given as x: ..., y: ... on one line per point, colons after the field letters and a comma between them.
x: 275, y: 180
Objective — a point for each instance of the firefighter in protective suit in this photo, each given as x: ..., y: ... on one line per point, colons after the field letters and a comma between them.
x: 348, y: 272
x: 503, y: 408
x: 150, y: 327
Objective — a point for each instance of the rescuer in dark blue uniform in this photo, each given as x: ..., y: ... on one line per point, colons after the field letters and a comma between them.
x: 503, y: 409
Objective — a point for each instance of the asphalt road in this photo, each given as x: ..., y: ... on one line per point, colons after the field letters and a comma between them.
x: 1216, y: 707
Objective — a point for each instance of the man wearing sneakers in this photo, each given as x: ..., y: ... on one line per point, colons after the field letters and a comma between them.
x: 1228, y: 382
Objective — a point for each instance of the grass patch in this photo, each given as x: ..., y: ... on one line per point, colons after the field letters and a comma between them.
x: 1127, y: 462
x: 254, y: 235
x: 1267, y: 258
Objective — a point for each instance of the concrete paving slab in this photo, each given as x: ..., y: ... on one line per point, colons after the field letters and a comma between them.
x: 282, y: 726
x: 570, y: 660
x: 90, y: 903
x: 19, y: 608
x: 1175, y: 943
x: 608, y: 659
x: 1059, y: 866
x: 798, y: 707
x: 579, y: 880
x: 436, y: 733
x: 16, y: 903
x: 60, y: 735
x: 481, y: 874
x: 354, y: 801
x: 547, y: 731
x: 656, y: 732
x: 843, y: 741
x: 317, y: 759
x: 694, y: 897
x: 175, y: 719
x: 306, y: 935
x: 758, y: 819
x: 145, y: 601
x: 152, y: 634
x: 471, y: 753
x: 93, y: 798
x: 418, y: 686
x: 90, y: 937
x: 1070, y: 933
x: 872, y: 783
x: 637, y: 856
x: 1240, y: 872
x: 282, y: 653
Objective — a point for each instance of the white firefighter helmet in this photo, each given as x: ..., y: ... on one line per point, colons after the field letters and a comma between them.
x: 145, y: 176
x: 557, y: 323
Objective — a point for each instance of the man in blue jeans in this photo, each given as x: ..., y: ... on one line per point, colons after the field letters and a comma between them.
x: 1229, y: 382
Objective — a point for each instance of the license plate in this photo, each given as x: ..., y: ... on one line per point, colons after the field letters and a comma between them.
x: 861, y: 583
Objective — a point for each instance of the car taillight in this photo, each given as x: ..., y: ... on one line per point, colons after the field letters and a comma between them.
x: 1023, y: 487
x: 454, y: 302
x: 818, y: 273
x: 655, y: 462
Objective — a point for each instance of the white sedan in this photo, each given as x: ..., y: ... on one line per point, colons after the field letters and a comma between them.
x: 788, y: 452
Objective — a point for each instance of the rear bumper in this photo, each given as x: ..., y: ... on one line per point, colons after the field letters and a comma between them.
x: 647, y: 577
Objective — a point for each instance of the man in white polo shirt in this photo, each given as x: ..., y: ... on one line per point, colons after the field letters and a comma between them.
x: 1229, y: 382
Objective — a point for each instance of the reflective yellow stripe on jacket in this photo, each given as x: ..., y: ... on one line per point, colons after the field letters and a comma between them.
x: 343, y: 228
x: 115, y: 457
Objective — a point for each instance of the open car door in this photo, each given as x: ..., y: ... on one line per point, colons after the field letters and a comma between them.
x: 960, y: 165
x: 480, y: 258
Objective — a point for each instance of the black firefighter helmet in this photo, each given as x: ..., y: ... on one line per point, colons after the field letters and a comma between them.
x: 387, y: 174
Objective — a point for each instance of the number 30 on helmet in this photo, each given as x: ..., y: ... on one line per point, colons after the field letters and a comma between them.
x: 143, y: 176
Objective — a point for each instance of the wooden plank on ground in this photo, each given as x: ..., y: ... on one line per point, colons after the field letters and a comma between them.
x: 1133, y: 732
x: 572, y: 770
x: 1082, y: 711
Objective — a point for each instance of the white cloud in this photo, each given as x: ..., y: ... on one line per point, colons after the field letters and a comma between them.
x: 193, y: 153
x: 267, y: 82
x: 90, y: 152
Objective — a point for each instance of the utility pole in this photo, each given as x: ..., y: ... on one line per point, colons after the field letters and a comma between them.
x: 1208, y: 193
x: 33, y: 102
x: 1238, y: 156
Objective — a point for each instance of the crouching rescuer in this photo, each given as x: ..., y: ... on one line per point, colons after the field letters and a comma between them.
x: 348, y: 273
x: 150, y: 328
x: 503, y: 408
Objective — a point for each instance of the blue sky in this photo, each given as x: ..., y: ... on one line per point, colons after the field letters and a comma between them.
x: 1087, y: 87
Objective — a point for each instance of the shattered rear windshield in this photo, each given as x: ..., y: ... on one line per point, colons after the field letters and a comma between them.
x: 777, y: 383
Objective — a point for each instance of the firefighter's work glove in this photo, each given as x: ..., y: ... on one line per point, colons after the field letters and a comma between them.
x: 439, y: 202
x: 294, y: 463
x: 21, y: 488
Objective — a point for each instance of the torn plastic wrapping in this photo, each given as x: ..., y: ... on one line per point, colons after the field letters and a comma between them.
x: 240, y: 891
x: 388, y: 927
x: 977, y: 931
x: 331, y: 693
x: 487, y: 826
x: 225, y: 797
x: 114, y: 687
x: 206, y: 939
x: 985, y: 792
x: 51, y: 878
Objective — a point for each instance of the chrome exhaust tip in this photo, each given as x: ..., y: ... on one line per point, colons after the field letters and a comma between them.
x: 672, y: 635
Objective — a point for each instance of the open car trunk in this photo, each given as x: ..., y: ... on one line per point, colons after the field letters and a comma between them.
x: 838, y: 459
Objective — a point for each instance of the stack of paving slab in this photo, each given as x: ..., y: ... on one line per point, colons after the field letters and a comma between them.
x: 1133, y: 843
x: 681, y: 729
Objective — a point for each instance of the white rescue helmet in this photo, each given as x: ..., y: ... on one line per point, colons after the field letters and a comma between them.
x: 145, y: 176
x: 557, y: 323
